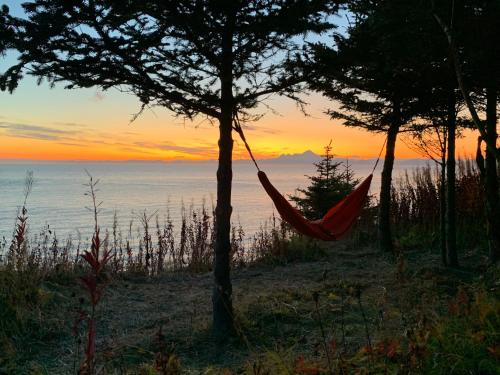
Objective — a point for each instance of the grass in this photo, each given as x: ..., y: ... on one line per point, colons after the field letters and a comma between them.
x: 278, y: 322
x: 301, y: 307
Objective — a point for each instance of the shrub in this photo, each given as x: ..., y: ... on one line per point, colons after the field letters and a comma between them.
x: 415, y: 208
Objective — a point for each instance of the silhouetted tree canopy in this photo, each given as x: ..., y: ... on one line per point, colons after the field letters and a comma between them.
x: 6, y: 32
x: 213, y: 58
x: 168, y: 53
x: 380, y: 62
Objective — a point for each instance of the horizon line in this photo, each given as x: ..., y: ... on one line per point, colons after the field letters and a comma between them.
x: 291, y: 156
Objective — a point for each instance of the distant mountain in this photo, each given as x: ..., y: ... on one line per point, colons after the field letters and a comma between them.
x: 311, y: 157
x: 304, y: 157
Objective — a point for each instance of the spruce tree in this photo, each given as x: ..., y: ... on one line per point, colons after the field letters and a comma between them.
x: 374, y: 76
x: 331, y: 183
x: 391, y: 73
x: 208, y: 58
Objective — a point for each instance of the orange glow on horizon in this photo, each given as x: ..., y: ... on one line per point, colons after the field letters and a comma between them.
x: 63, y: 126
x: 350, y: 143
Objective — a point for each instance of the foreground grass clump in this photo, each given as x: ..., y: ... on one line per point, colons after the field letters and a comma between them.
x: 457, y: 335
x: 467, y: 340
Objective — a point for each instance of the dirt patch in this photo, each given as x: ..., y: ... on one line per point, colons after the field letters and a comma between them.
x: 360, y: 299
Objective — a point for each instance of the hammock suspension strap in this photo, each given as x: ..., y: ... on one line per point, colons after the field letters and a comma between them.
x: 379, y: 155
x: 237, y: 127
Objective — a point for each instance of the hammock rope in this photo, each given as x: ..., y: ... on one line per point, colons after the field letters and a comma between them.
x: 237, y: 127
x: 379, y: 155
x: 335, y: 223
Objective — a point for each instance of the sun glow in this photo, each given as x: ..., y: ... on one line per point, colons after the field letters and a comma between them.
x: 89, y: 125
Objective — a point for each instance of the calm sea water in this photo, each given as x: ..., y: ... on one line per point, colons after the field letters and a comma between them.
x: 130, y: 188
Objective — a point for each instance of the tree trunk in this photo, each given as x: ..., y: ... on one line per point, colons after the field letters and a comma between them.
x: 222, y: 290
x: 451, y: 231
x: 384, y: 219
x: 491, y: 178
x: 442, y: 210
x: 457, y: 67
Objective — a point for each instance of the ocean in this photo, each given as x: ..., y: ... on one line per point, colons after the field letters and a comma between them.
x: 158, y: 188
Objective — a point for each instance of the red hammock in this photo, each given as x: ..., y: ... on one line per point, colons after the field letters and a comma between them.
x: 336, y: 222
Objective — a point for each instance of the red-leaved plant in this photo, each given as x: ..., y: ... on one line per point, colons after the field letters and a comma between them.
x: 92, y: 282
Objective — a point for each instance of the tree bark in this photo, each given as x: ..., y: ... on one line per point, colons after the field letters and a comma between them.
x: 457, y: 65
x: 442, y: 210
x: 451, y: 230
x: 491, y: 178
x: 222, y: 290
x: 384, y: 219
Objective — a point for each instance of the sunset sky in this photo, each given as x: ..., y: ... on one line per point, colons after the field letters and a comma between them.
x: 37, y: 122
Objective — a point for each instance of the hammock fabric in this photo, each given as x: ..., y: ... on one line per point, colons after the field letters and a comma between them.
x: 336, y: 222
